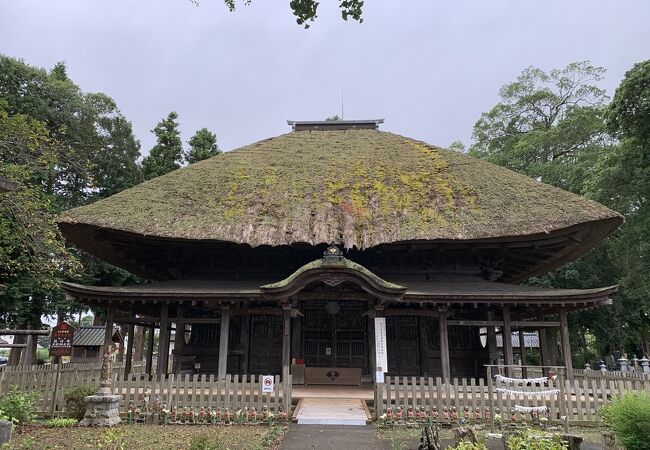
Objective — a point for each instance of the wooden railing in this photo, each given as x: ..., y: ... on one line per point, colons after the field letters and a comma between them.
x: 195, y: 391
x: 579, y: 400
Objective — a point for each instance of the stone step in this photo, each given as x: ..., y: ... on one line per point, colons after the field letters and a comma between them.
x: 332, y: 411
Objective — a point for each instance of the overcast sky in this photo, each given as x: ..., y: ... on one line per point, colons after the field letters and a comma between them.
x: 428, y: 67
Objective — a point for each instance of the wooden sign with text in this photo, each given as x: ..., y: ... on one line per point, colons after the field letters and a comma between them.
x: 61, y: 343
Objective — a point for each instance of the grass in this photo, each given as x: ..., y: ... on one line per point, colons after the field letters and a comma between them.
x: 408, y: 438
x: 125, y: 437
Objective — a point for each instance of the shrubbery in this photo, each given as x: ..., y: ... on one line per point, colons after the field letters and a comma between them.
x: 531, y: 440
x: 629, y: 418
x: 204, y: 442
x: 17, y: 406
x: 61, y: 422
x: 467, y: 445
x: 74, y: 400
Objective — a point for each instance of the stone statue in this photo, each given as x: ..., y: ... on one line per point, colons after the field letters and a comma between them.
x: 102, y: 409
x: 105, y: 379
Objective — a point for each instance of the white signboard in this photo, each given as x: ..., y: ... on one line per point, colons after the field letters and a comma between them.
x: 267, y: 384
x: 381, y: 357
x: 379, y: 377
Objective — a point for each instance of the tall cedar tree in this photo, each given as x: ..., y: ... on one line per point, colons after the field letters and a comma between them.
x: 167, y: 154
x: 203, y: 145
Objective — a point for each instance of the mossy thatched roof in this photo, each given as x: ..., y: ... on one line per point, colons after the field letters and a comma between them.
x: 356, y: 188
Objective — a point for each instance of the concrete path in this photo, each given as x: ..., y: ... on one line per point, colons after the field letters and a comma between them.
x: 332, y: 437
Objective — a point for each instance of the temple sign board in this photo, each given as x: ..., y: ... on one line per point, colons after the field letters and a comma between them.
x: 267, y: 384
x: 61, y: 343
x: 381, y: 355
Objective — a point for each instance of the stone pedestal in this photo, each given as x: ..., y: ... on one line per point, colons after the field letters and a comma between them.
x: 101, y: 411
x: 5, y: 431
x: 494, y: 441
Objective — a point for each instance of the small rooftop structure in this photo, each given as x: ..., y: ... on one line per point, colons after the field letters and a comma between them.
x: 329, y: 125
x: 88, y: 341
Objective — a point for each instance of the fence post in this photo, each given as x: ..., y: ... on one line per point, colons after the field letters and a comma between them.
x: 491, y: 397
x: 286, y: 396
x: 379, y: 399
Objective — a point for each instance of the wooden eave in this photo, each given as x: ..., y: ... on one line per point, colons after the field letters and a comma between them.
x: 434, y: 293
x: 337, y: 272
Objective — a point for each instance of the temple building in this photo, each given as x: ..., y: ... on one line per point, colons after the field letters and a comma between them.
x: 283, y: 252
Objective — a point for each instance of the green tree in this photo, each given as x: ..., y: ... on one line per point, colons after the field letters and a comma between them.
x: 305, y: 10
x: 551, y: 126
x: 457, y: 146
x: 33, y: 258
x: 546, y: 124
x: 629, y: 112
x: 65, y: 148
x: 624, y: 183
x: 167, y: 154
x: 100, y: 150
x: 203, y: 145
x: 334, y: 118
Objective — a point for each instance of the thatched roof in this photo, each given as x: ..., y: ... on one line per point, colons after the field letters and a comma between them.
x: 357, y: 188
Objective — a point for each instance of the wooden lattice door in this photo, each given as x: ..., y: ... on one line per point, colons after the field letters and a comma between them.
x: 335, y: 340
x: 265, y: 355
x: 403, y: 345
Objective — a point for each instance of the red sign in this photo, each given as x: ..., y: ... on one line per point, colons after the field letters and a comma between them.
x: 61, y: 344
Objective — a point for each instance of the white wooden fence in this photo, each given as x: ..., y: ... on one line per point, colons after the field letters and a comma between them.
x: 579, y: 400
x: 233, y: 391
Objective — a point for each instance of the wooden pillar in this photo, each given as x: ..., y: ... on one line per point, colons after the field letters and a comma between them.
x: 522, y: 353
x: 150, y: 343
x: 507, y: 339
x: 566, y: 343
x: 120, y: 352
x: 108, y: 330
x: 179, y: 340
x: 138, y: 343
x: 543, y: 348
x: 286, y: 337
x: 491, y: 339
x: 129, y: 350
x: 28, y: 360
x: 444, y: 345
x: 16, y: 353
x: 296, y: 334
x: 370, y: 329
x: 245, y: 342
x: 163, y: 340
x: 224, y: 330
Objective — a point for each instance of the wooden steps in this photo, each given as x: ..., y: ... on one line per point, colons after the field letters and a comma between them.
x: 331, y: 411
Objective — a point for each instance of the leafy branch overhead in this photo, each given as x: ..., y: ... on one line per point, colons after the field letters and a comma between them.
x: 305, y: 11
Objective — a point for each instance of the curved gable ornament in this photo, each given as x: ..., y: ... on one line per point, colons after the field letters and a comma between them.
x: 332, y: 270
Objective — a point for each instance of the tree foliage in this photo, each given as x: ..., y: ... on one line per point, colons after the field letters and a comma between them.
x: 167, y: 154
x: 203, y: 145
x: 33, y: 257
x: 305, y: 11
x: 65, y: 148
x: 545, y: 123
x: 559, y: 128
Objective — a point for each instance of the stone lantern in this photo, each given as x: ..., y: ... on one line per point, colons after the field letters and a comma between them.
x: 602, y: 366
x: 645, y: 365
x: 625, y: 365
